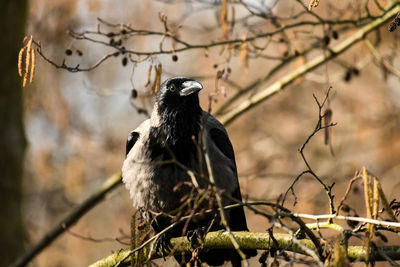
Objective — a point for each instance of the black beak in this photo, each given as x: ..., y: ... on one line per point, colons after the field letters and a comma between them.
x: 190, y: 87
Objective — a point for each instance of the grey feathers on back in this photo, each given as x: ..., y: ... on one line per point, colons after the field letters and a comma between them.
x: 151, y: 182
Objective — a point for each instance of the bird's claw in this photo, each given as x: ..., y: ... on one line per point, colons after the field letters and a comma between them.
x: 162, y: 245
x: 194, y: 235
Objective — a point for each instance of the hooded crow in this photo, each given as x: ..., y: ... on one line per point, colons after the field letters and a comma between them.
x: 177, y: 128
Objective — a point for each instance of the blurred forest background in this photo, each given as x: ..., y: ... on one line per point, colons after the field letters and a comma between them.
x: 76, y: 124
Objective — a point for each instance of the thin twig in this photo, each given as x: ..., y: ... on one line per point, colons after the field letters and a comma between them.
x: 355, y: 178
x: 348, y: 218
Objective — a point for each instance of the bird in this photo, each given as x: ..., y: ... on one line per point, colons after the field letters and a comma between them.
x: 162, y: 150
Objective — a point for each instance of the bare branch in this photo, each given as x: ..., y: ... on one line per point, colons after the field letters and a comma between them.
x: 316, y: 62
x: 71, y: 219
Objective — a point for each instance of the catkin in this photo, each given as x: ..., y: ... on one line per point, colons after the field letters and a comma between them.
x: 33, y: 65
x: 20, y: 54
x: 148, y: 76
x: 158, y: 78
x: 27, y: 61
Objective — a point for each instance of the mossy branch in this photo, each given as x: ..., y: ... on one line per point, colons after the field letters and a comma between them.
x: 250, y: 240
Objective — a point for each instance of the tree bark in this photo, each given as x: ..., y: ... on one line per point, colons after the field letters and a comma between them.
x: 12, y: 138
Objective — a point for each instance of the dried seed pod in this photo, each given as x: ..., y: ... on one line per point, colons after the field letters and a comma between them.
x: 335, y: 35
x: 326, y: 40
x: 134, y: 93
x: 327, y: 121
x: 355, y: 71
x: 174, y: 58
x: 124, y: 61
x: 345, y: 208
x: 215, y: 66
x: 110, y: 34
x: 123, y: 31
x: 79, y: 52
x: 347, y: 76
x: 68, y: 52
x: 356, y: 190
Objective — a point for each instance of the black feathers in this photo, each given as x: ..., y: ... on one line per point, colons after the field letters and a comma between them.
x: 223, y: 143
x: 179, y: 129
x: 180, y: 115
x: 130, y: 142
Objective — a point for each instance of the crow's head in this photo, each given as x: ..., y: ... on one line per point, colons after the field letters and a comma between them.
x: 178, y: 93
x: 178, y: 109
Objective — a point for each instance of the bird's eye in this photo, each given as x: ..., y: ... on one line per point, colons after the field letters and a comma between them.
x: 173, y: 88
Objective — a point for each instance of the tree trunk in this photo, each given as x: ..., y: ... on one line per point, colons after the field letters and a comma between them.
x: 12, y: 138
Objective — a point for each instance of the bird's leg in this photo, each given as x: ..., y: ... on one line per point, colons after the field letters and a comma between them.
x: 159, y: 223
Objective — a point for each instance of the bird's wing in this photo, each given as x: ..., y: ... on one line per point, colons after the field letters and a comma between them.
x: 137, y: 134
x: 220, y: 152
x: 130, y: 142
x: 222, y: 158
